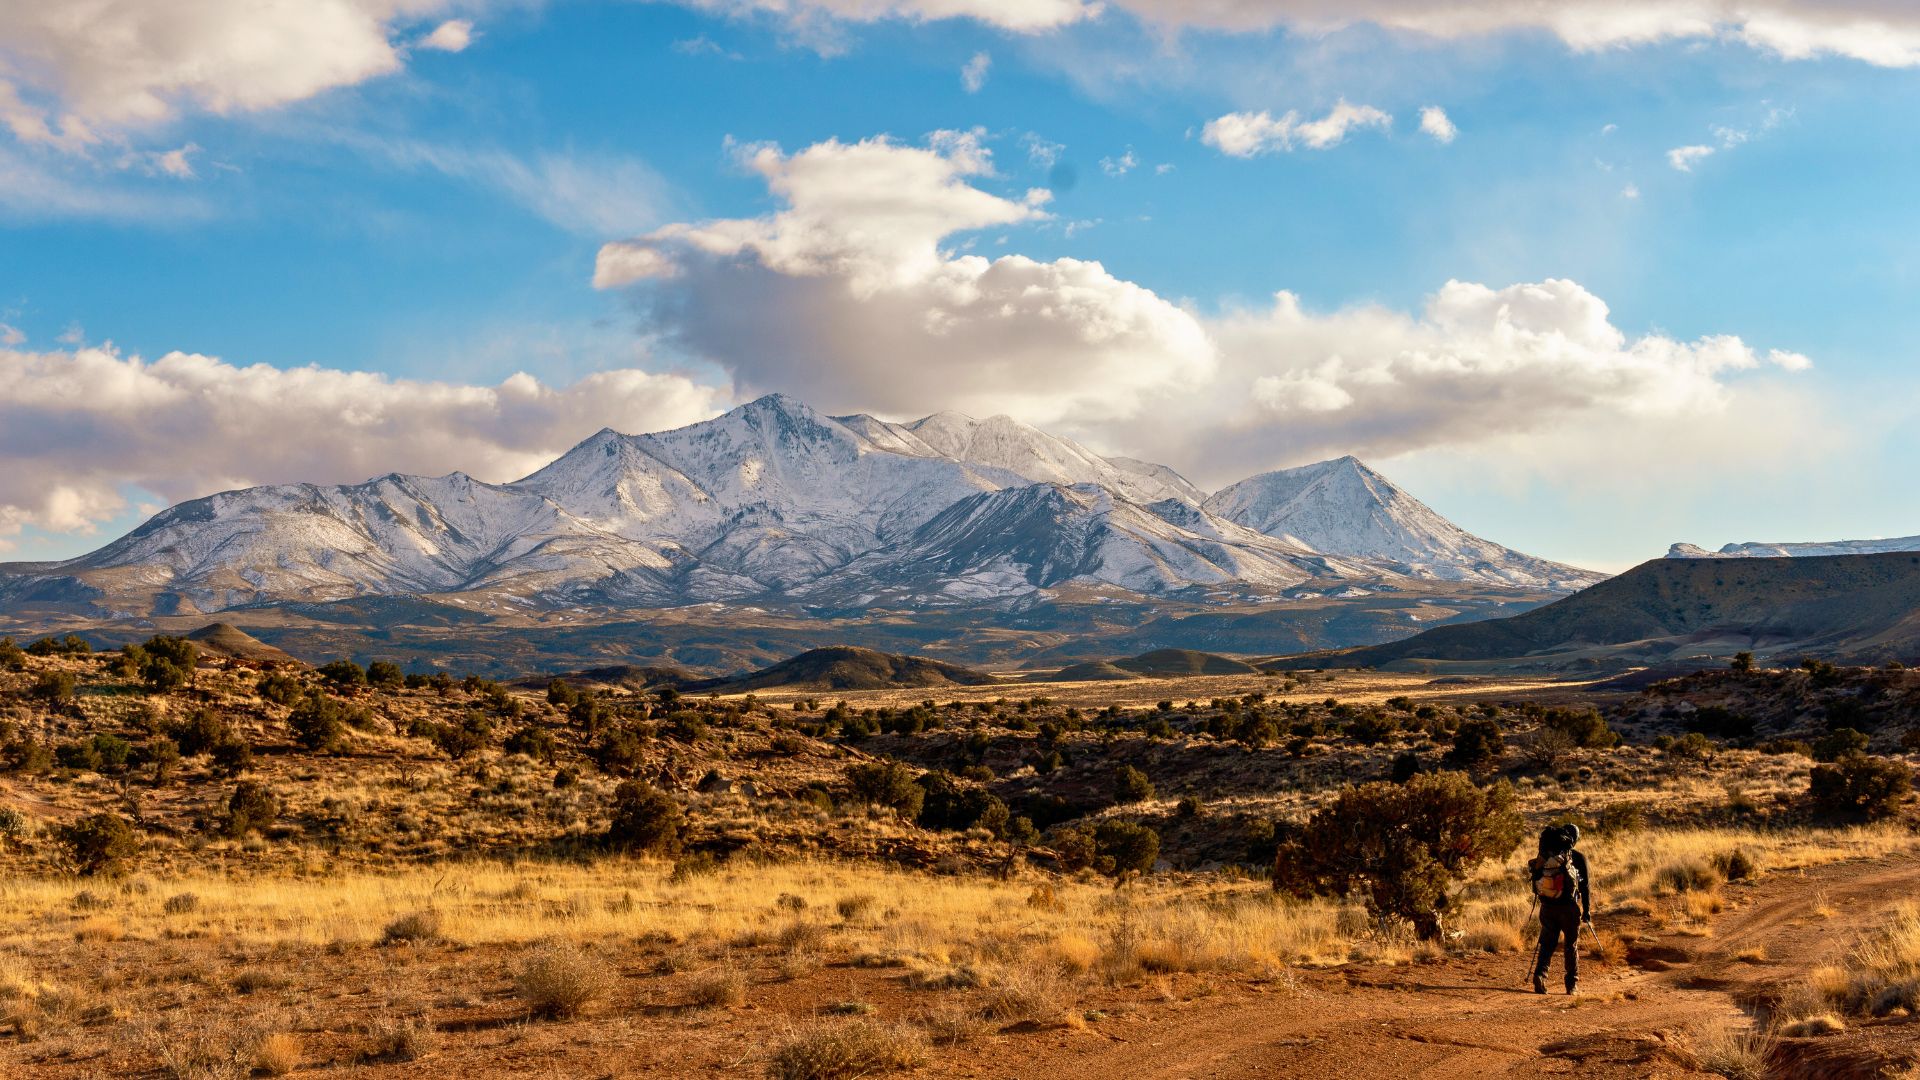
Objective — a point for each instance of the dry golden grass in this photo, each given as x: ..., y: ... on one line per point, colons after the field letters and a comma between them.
x: 843, y: 1050
x: 1733, y: 1051
x: 561, y: 979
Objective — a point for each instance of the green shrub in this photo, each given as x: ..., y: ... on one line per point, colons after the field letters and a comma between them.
x: 162, y: 756
x: 1859, y: 786
x: 531, y: 741
x: 1586, y: 727
x: 1130, y: 785
x: 53, y: 687
x: 1692, y: 746
x: 71, y: 645
x: 1073, y: 847
x: 645, y: 819
x: 1838, y: 743
x: 343, y: 673
x: 1618, y: 819
x: 1401, y: 845
x: 251, y: 808
x: 947, y: 805
x: 279, y: 688
x: 1123, y: 848
x: 1477, y: 744
x: 887, y: 783
x: 319, y: 723
x: 385, y: 673
x: 12, y: 656
x: 99, y: 844
x: 199, y: 731
x: 232, y: 755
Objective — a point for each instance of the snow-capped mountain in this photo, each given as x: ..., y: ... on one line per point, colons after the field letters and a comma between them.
x: 777, y: 502
x: 1802, y: 550
x: 1022, y: 539
x: 1342, y: 506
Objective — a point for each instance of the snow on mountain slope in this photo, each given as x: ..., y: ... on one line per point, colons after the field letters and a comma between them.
x: 1005, y: 443
x: 775, y: 500
x: 395, y: 534
x: 1043, y: 535
x: 1342, y: 506
x: 1797, y: 550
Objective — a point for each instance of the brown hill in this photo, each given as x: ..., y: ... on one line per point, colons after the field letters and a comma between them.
x: 1091, y: 671
x: 223, y: 639
x: 846, y: 668
x: 1697, y: 612
x: 1184, y: 662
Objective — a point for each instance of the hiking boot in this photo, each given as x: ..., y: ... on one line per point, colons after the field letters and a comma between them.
x: 1539, y: 984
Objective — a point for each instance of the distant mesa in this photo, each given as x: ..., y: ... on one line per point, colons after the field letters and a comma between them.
x: 1676, y: 613
x: 225, y: 640
x: 1797, y: 550
x: 848, y: 668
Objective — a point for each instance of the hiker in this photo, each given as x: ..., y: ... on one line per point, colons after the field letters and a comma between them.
x: 1558, y: 875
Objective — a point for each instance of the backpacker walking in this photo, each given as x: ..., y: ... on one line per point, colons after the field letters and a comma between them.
x: 1558, y: 875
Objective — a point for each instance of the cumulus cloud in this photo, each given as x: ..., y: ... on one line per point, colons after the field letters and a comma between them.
x: 849, y: 297
x: 79, y: 427
x: 452, y: 36
x: 973, y: 75
x: 121, y: 63
x: 1434, y: 121
x: 1246, y: 134
x: 1475, y: 364
x: 1684, y: 158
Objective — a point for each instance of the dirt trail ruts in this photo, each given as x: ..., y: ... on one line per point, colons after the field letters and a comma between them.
x: 1473, y: 1017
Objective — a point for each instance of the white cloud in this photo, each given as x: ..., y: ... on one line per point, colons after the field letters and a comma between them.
x: 973, y: 75
x: 850, y: 297
x: 1631, y: 191
x: 79, y: 427
x: 1042, y: 152
x: 122, y: 63
x: 1880, y: 32
x: 1476, y: 364
x: 1246, y: 134
x: 452, y: 36
x: 1684, y: 158
x: 10, y: 336
x: 1121, y: 165
x: 1435, y: 122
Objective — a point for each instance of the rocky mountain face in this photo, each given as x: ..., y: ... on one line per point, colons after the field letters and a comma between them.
x: 776, y: 503
x: 1345, y: 507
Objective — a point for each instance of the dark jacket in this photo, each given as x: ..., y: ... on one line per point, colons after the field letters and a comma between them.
x: 1583, y: 895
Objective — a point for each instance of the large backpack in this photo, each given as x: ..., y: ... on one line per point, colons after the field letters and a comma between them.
x: 1555, y: 877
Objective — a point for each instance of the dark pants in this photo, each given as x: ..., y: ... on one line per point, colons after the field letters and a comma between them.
x: 1559, y: 923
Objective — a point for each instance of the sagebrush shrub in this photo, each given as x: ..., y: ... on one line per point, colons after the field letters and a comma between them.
x: 1401, y: 845
x: 645, y: 819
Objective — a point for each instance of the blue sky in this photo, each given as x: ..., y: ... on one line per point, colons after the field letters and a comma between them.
x: 434, y: 217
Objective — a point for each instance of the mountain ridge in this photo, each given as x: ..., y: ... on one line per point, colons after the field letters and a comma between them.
x: 775, y: 502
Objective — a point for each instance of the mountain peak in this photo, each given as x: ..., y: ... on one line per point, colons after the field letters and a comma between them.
x: 1343, y: 506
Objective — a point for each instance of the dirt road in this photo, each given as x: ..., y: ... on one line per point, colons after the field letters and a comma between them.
x: 1474, y: 1017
